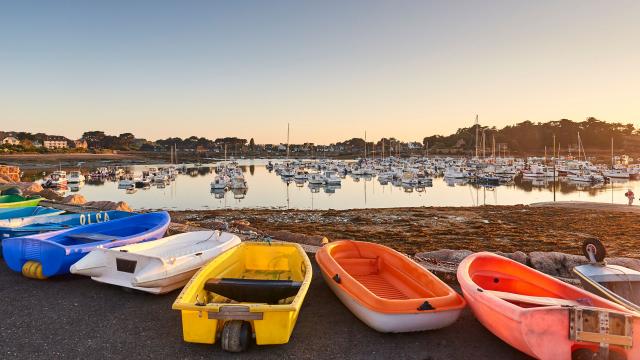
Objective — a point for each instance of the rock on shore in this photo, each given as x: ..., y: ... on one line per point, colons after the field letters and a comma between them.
x: 33, y: 188
x: 9, y: 174
x: 552, y: 263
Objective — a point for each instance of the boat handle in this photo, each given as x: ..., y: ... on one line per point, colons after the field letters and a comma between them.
x: 336, y: 278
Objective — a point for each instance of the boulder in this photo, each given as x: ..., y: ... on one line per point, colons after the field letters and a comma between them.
x: 9, y: 174
x: 242, y: 226
x: 123, y: 206
x: 32, y: 189
x: 633, y: 264
x: 284, y: 235
x: 518, y: 256
x: 108, y: 205
x: 556, y: 263
x: 50, y: 195
x: 443, y: 256
x: 75, y: 199
x: 217, y: 225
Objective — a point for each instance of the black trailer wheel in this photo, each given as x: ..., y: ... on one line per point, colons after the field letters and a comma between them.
x: 583, y: 354
x: 236, y: 335
x: 594, y: 247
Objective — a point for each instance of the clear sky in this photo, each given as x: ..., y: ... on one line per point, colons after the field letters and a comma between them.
x: 331, y: 68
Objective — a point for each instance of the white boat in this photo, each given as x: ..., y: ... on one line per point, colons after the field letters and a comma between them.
x: 126, y: 183
x: 332, y: 178
x: 56, y: 179
x: 455, y: 173
x: 612, y: 282
x: 616, y: 174
x: 586, y: 178
x: 75, y: 177
x: 219, y: 183
x: 300, y: 175
x: 409, y: 179
x: 157, y: 266
x: 316, y: 179
x: 238, y: 182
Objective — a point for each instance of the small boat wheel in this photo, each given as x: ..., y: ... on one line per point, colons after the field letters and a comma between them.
x: 594, y: 250
x: 236, y: 335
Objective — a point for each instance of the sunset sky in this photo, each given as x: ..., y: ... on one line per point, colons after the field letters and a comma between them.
x: 332, y: 69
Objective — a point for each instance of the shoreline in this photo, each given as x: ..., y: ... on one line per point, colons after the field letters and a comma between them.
x: 527, y: 228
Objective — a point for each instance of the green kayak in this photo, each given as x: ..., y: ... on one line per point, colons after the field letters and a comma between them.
x: 12, y: 201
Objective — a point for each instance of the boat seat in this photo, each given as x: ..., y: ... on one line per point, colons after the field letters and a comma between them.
x: 535, y: 300
x: 93, y: 237
x: 253, y: 290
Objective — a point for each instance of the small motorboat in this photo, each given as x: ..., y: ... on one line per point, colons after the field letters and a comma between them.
x: 52, y: 253
x: 387, y: 290
x: 40, y: 224
x: 613, y: 282
x: 75, y: 177
x: 255, y: 287
x: 16, y: 217
x: 15, y: 201
x: 543, y: 316
x: 158, y: 266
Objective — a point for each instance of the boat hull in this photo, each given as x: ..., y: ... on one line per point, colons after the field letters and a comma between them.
x: 393, y: 323
x: 531, y: 311
x: 56, y: 251
x: 272, y: 323
x: 158, y: 266
x: 385, y: 289
x: 15, y: 201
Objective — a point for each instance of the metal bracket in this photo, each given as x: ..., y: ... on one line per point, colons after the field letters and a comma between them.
x: 235, y: 312
x: 602, y: 327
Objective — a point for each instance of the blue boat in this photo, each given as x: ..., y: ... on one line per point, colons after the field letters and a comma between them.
x: 39, y: 224
x: 48, y: 254
x: 16, y: 217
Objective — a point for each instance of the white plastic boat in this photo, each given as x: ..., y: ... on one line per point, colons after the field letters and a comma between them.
x: 219, y: 182
x: 75, y: 177
x: 316, y: 179
x: 156, y: 266
x: 612, y: 282
x: 616, y: 174
x: 126, y: 183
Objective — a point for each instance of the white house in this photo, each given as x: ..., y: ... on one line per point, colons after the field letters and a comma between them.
x: 10, y: 140
x: 55, y: 142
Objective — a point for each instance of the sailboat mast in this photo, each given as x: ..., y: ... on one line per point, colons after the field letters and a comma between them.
x: 287, y: 141
x: 493, y: 147
x: 484, y: 146
x: 612, y: 162
x: 579, y: 146
x: 476, y: 125
x: 365, y: 145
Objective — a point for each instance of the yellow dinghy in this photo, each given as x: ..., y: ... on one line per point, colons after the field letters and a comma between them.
x: 255, y: 288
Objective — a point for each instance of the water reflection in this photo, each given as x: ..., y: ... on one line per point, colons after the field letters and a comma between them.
x: 191, y: 190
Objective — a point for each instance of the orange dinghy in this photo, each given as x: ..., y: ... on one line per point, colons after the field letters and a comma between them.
x: 385, y: 289
x: 542, y: 316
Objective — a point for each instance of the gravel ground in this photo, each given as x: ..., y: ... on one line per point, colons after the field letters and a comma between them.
x: 75, y: 317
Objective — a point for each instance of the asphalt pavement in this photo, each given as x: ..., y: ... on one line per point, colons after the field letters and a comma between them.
x: 74, y: 317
